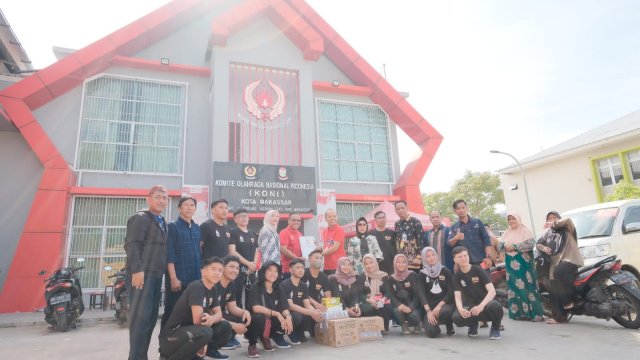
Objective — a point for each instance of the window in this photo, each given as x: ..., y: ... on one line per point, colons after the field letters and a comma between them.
x: 634, y: 164
x: 354, y: 142
x: 350, y: 212
x: 610, y: 170
x: 97, y: 234
x: 631, y: 216
x: 131, y: 125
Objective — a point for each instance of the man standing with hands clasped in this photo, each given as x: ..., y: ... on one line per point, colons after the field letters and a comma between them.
x: 146, y: 247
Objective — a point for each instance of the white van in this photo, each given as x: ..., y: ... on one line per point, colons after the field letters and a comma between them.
x: 611, y: 228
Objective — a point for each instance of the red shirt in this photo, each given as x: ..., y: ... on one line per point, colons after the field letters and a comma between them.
x: 330, y: 236
x: 291, y: 239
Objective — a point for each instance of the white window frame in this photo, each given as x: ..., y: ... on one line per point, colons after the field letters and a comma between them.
x: 182, y: 156
x: 609, y: 167
x: 628, y: 155
x: 318, y: 145
x: 352, y: 203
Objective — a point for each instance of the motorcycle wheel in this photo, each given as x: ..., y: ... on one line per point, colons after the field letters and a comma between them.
x: 63, y: 325
x: 631, y: 297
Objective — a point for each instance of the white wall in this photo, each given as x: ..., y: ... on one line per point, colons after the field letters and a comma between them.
x: 559, y: 185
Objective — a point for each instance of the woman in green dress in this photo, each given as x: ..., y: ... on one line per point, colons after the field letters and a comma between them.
x: 524, y: 299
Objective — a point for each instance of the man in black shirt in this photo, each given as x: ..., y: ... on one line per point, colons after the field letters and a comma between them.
x: 215, y: 234
x: 386, y: 240
x: 317, y: 282
x: 243, y: 244
x: 226, y: 292
x: 305, y: 316
x: 192, y: 327
x: 474, y: 295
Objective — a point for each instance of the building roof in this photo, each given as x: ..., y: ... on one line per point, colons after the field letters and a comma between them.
x: 12, y: 55
x: 45, y: 226
x: 626, y: 125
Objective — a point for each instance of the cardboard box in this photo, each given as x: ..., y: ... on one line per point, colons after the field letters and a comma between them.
x: 369, y: 328
x: 331, y: 302
x: 341, y: 332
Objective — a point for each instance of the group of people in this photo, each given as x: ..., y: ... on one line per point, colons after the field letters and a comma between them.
x: 223, y: 282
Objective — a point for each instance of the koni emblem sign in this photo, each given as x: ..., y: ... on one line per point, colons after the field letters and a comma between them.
x: 260, y: 188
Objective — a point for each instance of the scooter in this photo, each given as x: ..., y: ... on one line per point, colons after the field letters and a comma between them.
x: 602, y: 290
x: 120, y: 294
x: 63, y: 295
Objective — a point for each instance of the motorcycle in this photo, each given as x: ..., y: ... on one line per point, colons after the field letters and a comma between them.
x: 120, y: 294
x: 63, y: 296
x: 602, y: 290
x: 498, y: 275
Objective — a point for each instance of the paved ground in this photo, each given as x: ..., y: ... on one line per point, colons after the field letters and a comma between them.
x: 99, y: 338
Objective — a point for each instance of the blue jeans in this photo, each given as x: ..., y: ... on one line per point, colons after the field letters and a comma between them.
x: 143, y: 315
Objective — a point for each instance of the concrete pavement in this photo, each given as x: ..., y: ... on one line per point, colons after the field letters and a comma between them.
x: 583, y: 338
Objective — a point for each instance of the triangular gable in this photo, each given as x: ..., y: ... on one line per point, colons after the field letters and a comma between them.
x: 44, y: 232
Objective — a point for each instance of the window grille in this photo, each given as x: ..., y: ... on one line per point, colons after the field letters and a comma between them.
x: 131, y: 125
x: 354, y: 142
x: 98, y: 229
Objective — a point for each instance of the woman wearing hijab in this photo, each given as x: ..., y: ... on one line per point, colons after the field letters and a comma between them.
x: 361, y: 245
x: 269, y: 307
x: 268, y: 239
x: 404, y: 290
x: 376, y: 283
x: 437, y: 293
x: 344, y: 284
x: 524, y: 299
x: 560, y: 244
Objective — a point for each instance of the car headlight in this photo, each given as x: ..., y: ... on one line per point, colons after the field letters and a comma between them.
x: 588, y: 252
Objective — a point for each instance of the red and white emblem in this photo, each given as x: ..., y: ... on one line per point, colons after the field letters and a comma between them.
x: 262, y: 105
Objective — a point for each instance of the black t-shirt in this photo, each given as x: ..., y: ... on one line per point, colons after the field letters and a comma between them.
x: 296, y: 293
x: 216, y: 239
x: 258, y: 295
x: 350, y: 295
x: 245, y: 242
x: 472, y: 285
x: 317, y: 286
x: 195, y: 294
x: 431, y: 294
x: 387, y: 242
x: 225, y: 294
x: 406, y: 292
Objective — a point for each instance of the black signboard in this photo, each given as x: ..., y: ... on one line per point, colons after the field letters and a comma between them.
x: 260, y: 188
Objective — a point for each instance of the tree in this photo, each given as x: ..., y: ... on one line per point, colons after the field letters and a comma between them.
x: 482, y: 193
x: 624, y: 190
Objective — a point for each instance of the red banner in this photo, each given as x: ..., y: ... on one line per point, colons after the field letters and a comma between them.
x: 264, y: 115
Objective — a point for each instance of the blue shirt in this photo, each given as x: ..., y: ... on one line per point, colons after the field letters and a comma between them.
x: 475, y: 238
x: 183, y: 250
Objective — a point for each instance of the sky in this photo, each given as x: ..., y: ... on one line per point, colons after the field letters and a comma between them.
x: 515, y: 76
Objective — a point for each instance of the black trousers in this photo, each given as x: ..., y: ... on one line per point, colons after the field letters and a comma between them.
x: 241, y: 286
x: 562, y: 287
x: 412, y: 318
x: 302, y: 323
x: 492, y: 312
x: 384, y: 312
x: 258, y: 321
x: 446, y: 313
x: 170, y: 300
x: 184, y: 342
